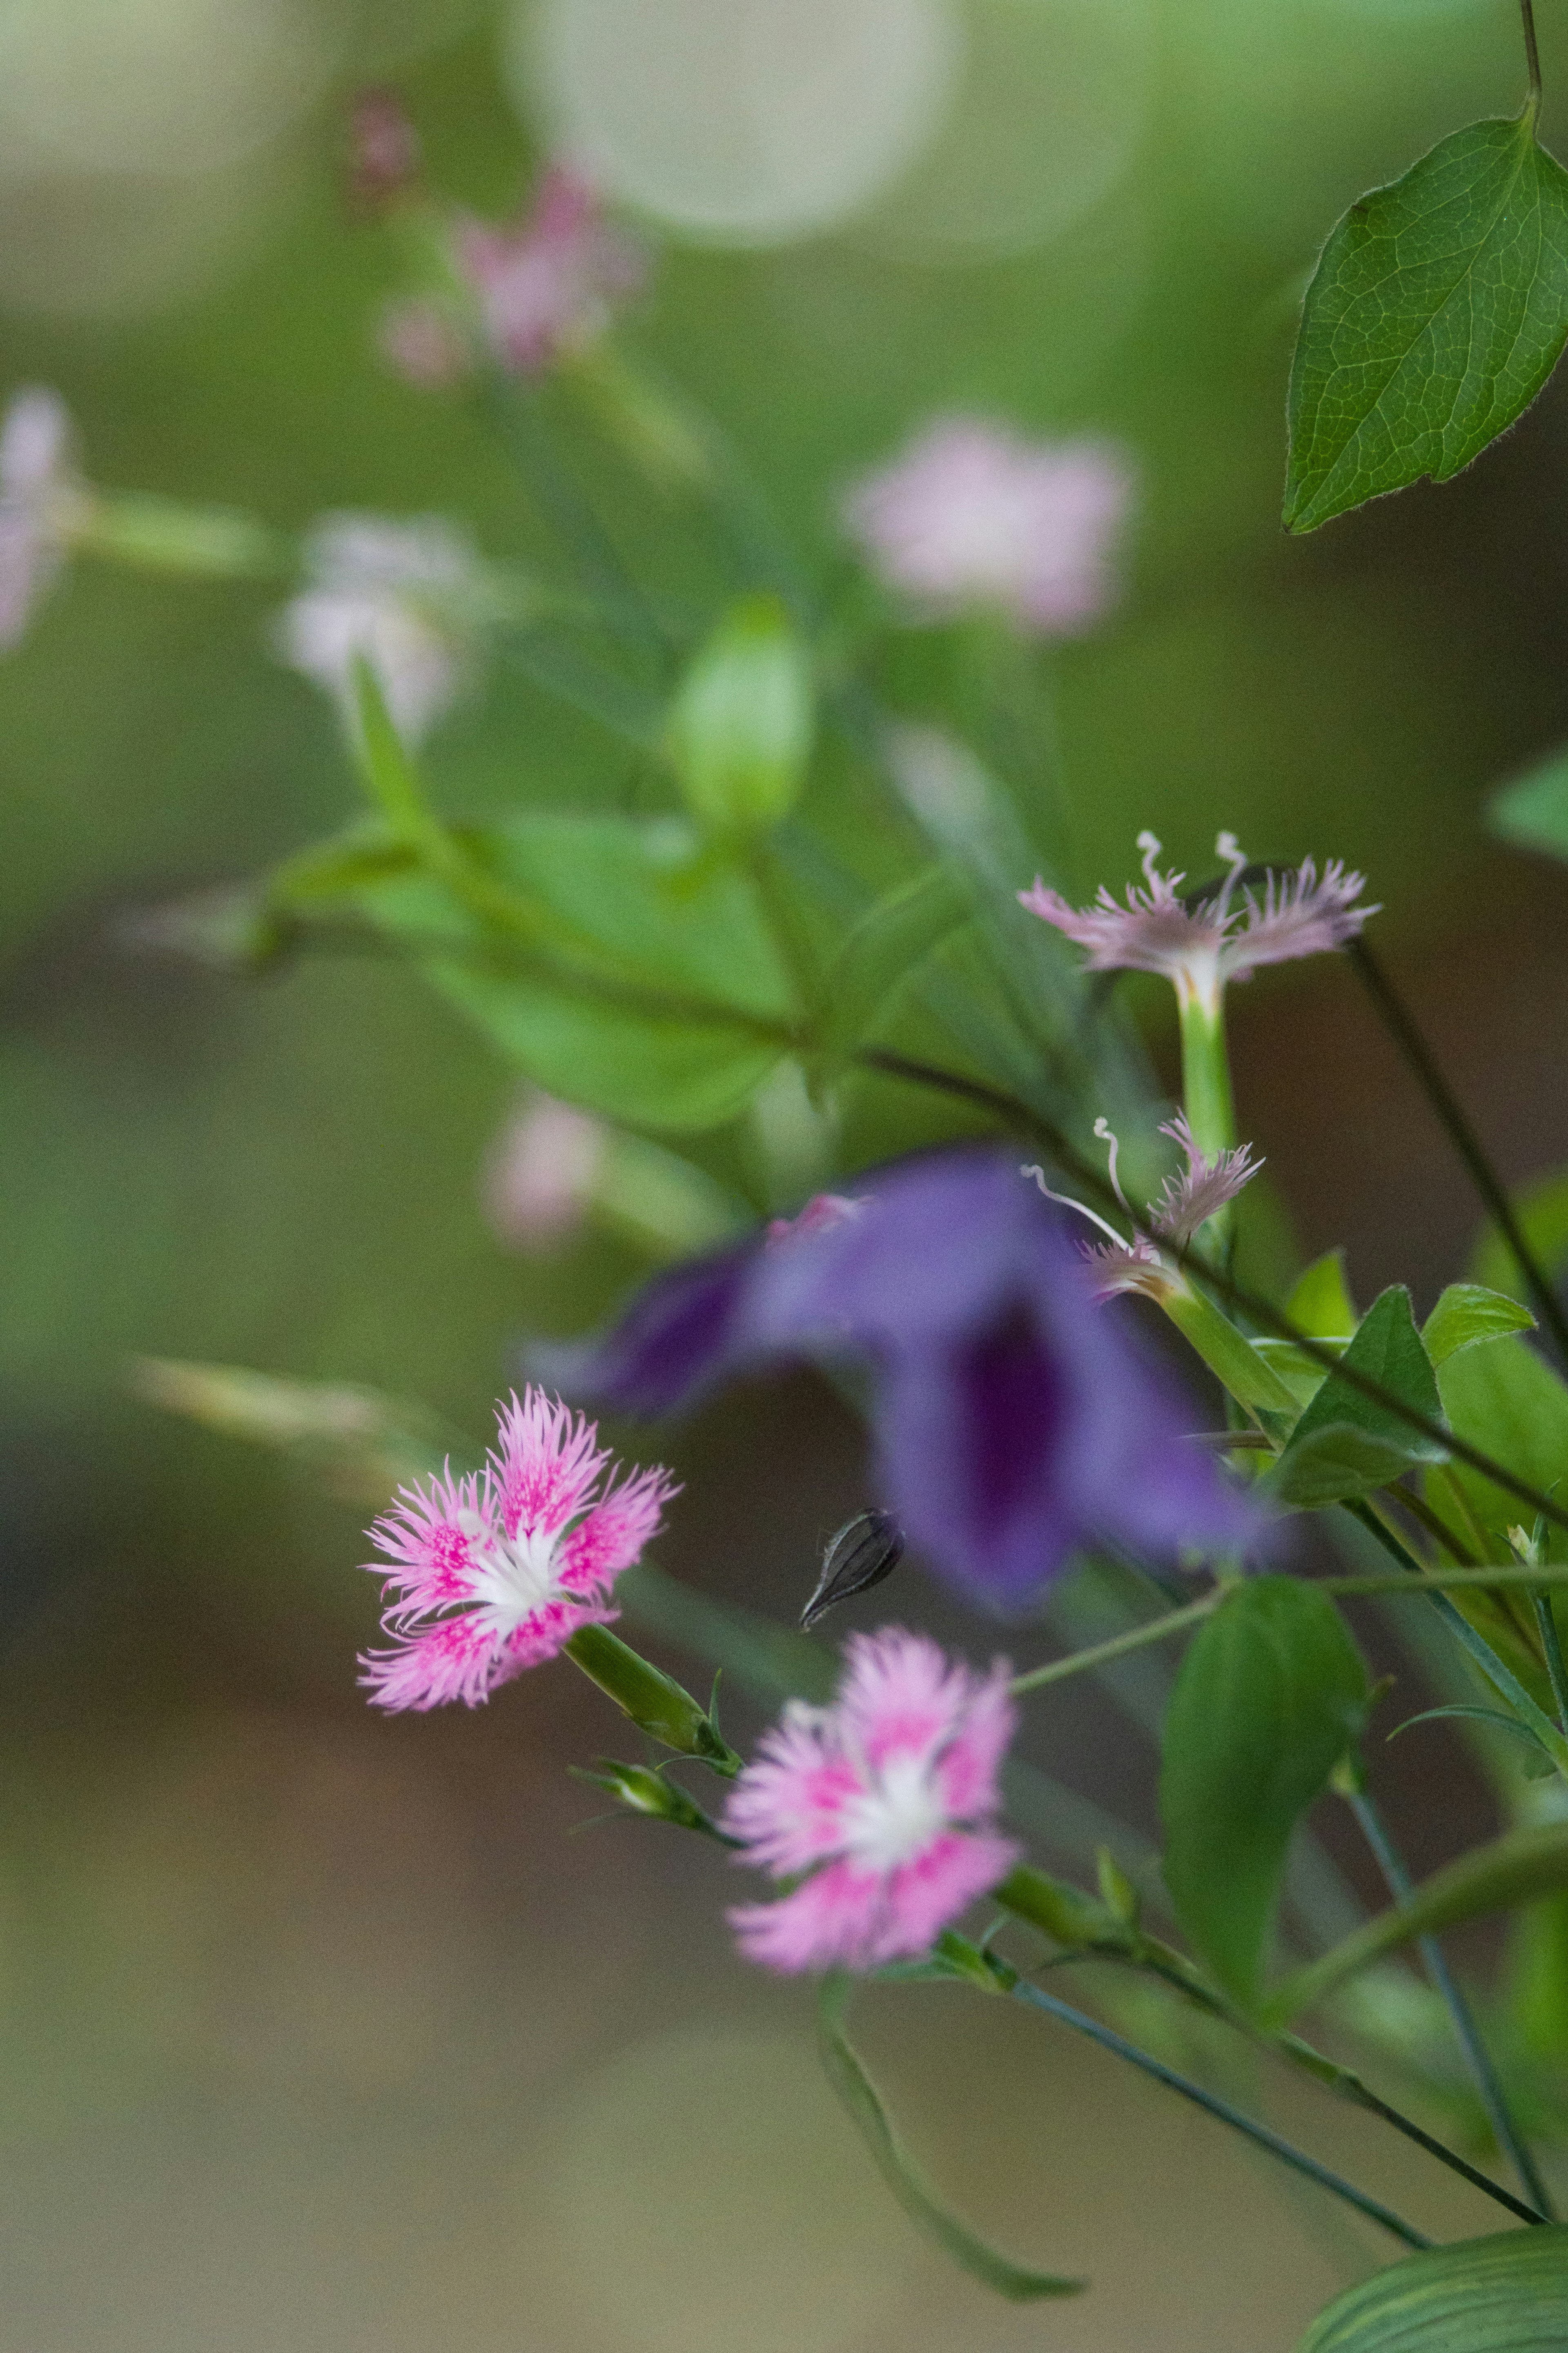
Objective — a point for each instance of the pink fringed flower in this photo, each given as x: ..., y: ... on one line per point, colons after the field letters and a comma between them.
x: 1186, y: 1202
x: 42, y: 502
x: 887, y: 1800
x: 554, y: 282
x: 1225, y: 935
x: 495, y: 1573
x: 972, y: 514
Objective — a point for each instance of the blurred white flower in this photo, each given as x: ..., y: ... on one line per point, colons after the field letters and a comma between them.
x: 540, y: 1173
x: 404, y: 596
x: 972, y: 516
x: 42, y: 501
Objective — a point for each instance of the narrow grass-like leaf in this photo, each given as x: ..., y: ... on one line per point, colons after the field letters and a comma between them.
x: 1437, y: 312
x: 1505, y: 2294
x: 904, y: 2178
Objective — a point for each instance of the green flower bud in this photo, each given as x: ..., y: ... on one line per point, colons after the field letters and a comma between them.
x: 655, y: 1702
x: 643, y: 1791
x: 739, y: 729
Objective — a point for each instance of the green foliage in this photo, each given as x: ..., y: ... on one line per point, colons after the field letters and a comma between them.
x: 1345, y: 1444
x: 654, y: 1701
x: 1321, y: 1303
x: 1514, y: 1869
x: 884, y: 948
x: 1467, y: 1313
x: 898, y: 2169
x: 1436, y: 313
x: 740, y: 729
x: 1271, y: 1693
x: 1532, y: 812
x: 1509, y: 1401
x: 1542, y: 1209
x: 1504, y: 2293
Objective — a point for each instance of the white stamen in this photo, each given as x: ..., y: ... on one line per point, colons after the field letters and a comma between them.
x: 1067, y: 1202
x: 1109, y: 1137
x: 1236, y: 858
x: 1150, y: 845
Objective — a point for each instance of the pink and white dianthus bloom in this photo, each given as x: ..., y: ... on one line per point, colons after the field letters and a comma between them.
x: 43, y: 501
x: 972, y: 516
x: 1227, y: 936
x: 403, y: 597
x: 495, y: 1572
x: 887, y: 1800
x: 1187, y: 1201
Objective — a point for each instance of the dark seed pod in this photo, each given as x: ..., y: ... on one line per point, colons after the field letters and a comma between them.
x: 866, y: 1550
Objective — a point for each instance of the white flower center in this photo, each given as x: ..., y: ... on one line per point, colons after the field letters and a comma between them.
x: 896, y: 1816
x: 513, y: 1576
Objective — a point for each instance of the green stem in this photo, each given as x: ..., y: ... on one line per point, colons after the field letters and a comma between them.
x: 1477, y: 2057
x: 1102, y: 1653
x: 1259, y: 2134
x: 1532, y: 53
x: 1449, y: 1580
x: 1551, y: 1645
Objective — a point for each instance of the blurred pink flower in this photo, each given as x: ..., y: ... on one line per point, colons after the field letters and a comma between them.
x: 424, y: 342
x: 820, y: 1215
x: 1220, y: 937
x: 401, y: 594
x: 553, y: 282
x: 41, y: 499
x: 972, y: 516
x: 383, y: 152
x: 539, y: 1175
x: 888, y: 1798
x: 496, y: 1572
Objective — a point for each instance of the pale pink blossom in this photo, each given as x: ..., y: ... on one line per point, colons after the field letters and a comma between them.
x: 539, y: 1177
x: 551, y: 284
x: 425, y: 343
x: 42, y: 499
x: 820, y: 1215
x: 972, y: 516
x: 402, y: 597
x: 1225, y: 934
x: 496, y: 1572
x: 1186, y: 1202
x: 888, y: 1800
x: 384, y: 150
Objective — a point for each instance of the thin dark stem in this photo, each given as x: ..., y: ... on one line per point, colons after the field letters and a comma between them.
x: 1477, y: 2059
x: 1298, y: 2161
x: 1531, y: 53
x: 1258, y: 1310
x: 1551, y: 1645
x: 1396, y: 1019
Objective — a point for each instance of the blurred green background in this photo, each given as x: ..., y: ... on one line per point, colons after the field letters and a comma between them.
x: 323, y: 2030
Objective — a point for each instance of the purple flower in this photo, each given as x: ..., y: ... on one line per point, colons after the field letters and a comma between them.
x: 972, y: 516
x: 1015, y: 1420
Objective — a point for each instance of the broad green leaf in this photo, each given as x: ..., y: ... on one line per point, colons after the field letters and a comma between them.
x: 1532, y: 812
x: 884, y: 948
x: 1346, y: 1444
x: 1542, y: 1209
x: 1509, y: 1401
x: 740, y: 725
x: 1467, y: 1313
x: 904, y: 2178
x: 1504, y: 2293
x: 1514, y: 1869
x: 1321, y: 1303
x: 1270, y: 1694
x: 1332, y: 1465
x: 1435, y: 316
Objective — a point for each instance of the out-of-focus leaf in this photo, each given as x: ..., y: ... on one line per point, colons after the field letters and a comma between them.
x: 1474, y: 1714
x: 884, y: 948
x: 362, y: 1443
x: 1437, y: 312
x: 1542, y: 1209
x: 1270, y: 1694
x: 740, y: 725
x: 1344, y: 1444
x: 1532, y: 812
x: 1333, y: 1465
x: 1467, y: 1313
x: 1504, y: 2293
x: 1514, y: 1869
x: 903, y: 2176
x: 1508, y: 1401
x: 1321, y: 1303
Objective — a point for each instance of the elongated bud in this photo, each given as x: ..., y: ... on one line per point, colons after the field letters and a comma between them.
x: 866, y: 1550
x: 643, y: 1791
x: 159, y: 534
x: 1067, y: 1916
x: 1117, y: 1891
x: 740, y: 726
x: 655, y: 1702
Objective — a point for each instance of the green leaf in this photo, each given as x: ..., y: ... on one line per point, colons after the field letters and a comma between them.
x: 1344, y: 1444
x: 1514, y: 1869
x: 1321, y: 1303
x: 904, y: 2178
x: 1542, y: 1209
x: 1467, y: 1313
x: 1532, y: 812
x: 1504, y: 2293
x: 740, y: 726
x: 1509, y: 1401
x: 1496, y: 1717
x: 884, y: 948
x: 1436, y: 314
x: 1270, y: 1694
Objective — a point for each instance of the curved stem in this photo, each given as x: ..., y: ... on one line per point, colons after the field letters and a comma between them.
x: 1532, y: 53
x: 1102, y: 1653
x: 1477, y: 2057
x: 1262, y: 2135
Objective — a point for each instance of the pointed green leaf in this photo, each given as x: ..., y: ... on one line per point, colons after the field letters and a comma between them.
x: 1270, y: 1694
x: 1387, y: 1348
x: 1532, y: 812
x: 1467, y: 1313
x: 904, y: 2178
x: 883, y: 949
x: 1473, y: 1714
x: 1321, y: 1303
x: 1542, y: 1209
x: 1436, y: 314
x: 1503, y: 2293
x: 1514, y: 1869
x: 1332, y: 1465
x: 1508, y: 1401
